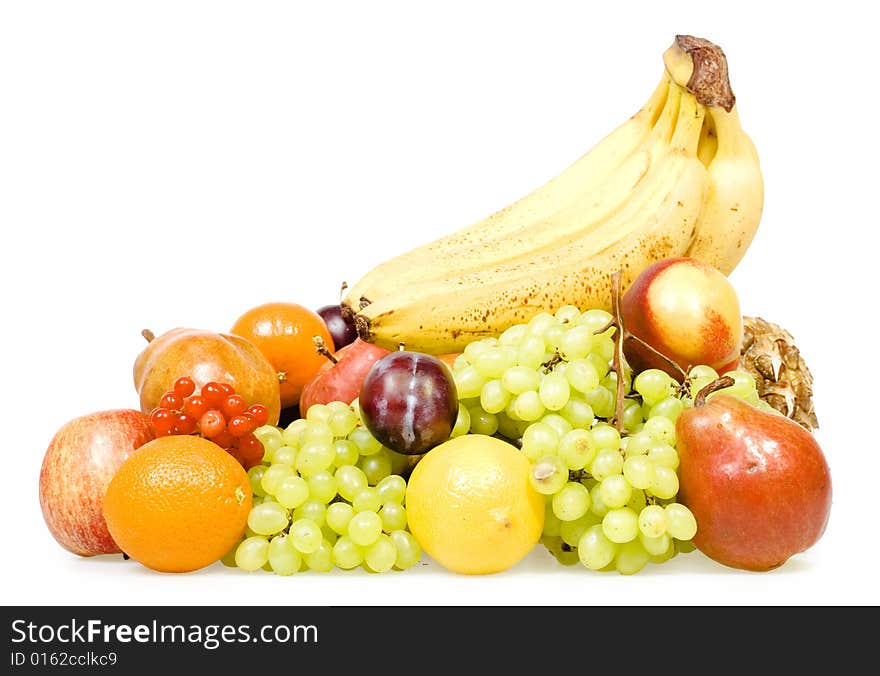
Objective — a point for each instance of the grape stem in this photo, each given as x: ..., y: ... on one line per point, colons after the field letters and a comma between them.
x: 321, y: 348
x: 714, y: 386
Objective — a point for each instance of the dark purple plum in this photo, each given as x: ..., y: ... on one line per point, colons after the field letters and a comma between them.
x: 408, y: 402
x: 343, y: 332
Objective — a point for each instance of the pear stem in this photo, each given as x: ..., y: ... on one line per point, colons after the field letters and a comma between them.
x: 321, y: 348
x: 714, y: 386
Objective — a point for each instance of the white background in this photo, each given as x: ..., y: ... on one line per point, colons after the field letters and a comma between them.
x: 172, y: 164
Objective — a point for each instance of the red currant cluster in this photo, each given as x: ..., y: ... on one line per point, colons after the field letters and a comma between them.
x: 216, y: 413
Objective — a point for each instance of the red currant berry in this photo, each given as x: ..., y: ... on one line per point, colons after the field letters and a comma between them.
x: 195, y: 406
x: 234, y: 404
x: 163, y: 421
x: 250, y: 451
x: 171, y: 400
x: 212, y: 423
x: 260, y: 413
x: 185, y: 424
x: 224, y: 440
x: 227, y: 388
x: 183, y: 387
x: 213, y: 394
x: 239, y: 425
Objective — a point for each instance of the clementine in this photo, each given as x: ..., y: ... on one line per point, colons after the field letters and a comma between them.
x: 178, y: 503
x: 284, y: 333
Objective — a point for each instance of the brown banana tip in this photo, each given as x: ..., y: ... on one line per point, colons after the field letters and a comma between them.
x: 364, y: 329
x: 347, y: 312
x: 710, y: 81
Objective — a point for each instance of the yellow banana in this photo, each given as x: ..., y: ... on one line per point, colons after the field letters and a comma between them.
x: 679, y: 178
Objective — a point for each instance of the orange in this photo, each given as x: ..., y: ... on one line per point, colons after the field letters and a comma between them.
x: 178, y: 504
x: 471, y: 506
x: 284, y: 333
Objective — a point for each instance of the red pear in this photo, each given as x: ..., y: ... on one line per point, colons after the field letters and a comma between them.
x: 757, y: 483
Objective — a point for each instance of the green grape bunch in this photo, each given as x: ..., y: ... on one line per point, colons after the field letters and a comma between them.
x: 608, y: 469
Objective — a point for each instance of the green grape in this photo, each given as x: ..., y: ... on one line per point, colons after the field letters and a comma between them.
x: 605, y: 436
x: 322, y: 486
x: 558, y: 423
x: 594, y: 319
x: 493, y: 397
x: 366, y: 443
x: 665, y: 483
x: 314, y: 457
x: 346, y: 554
x: 393, y: 517
x: 576, y: 342
x: 608, y: 461
x: 552, y: 522
x: 615, y: 491
x: 655, y: 546
x: 600, y: 365
x: 367, y: 500
x: 320, y: 560
x: 702, y: 372
x: 631, y: 558
x: 743, y: 387
x: 347, y: 452
x: 663, y: 455
x: 462, y: 425
x: 639, y: 444
x: 554, y: 391
x: 654, y: 385
x: 267, y: 518
x: 680, y: 522
x: 552, y: 338
x: 311, y: 509
x: 661, y: 429
x: 527, y: 406
x: 577, y: 449
x: 284, y: 455
x: 273, y: 476
x: 663, y: 556
x: 338, y: 515
x: 637, y: 500
x: 349, y: 480
x: 571, y: 502
x: 652, y: 521
x: 578, y: 413
x: 318, y: 413
x: 475, y: 348
x: 376, y: 467
x: 513, y: 335
x: 305, y: 535
x: 252, y: 553
x: 381, y: 555
x: 632, y: 415
x: 603, y: 345
x: 319, y: 433
x: 468, y: 383
x: 671, y: 407
x: 365, y: 528
x: 293, y: 432
x: 255, y: 477
x: 329, y: 534
x: 684, y: 546
x: 620, y: 525
x: 342, y: 422
x: 581, y: 374
x: 548, y: 474
x: 292, y: 491
x: 228, y: 559
x: 567, y: 314
x: 530, y: 352
x: 482, y: 422
x: 493, y: 363
x: 269, y: 436
x: 392, y: 489
x: 597, y: 507
x: 560, y: 550
x: 507, y: 427
x: 400, y: 463
x: 540, y: 322
x: 601, y: 401
x: 638, y: 470
x: 408, y: 550
x: 283, y: 558
x: 595, y: 550
x: 460, y: 362
x: 571, y: 532
x: 337, y: 407
x: 538, y: 440
x: 519, y: 379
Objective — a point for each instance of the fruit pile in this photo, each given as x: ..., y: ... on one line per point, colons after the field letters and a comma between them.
x: 573, y: 371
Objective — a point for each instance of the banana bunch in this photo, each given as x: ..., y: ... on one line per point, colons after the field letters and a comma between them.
x: 679, y: 178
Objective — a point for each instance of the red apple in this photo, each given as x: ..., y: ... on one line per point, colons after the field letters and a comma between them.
x: 688, y: 311
x: 756, y: 482
x: 341, y: 381
x: 80, y: 461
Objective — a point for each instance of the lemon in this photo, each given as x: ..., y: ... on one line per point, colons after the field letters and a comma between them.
x: 471, y: 506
